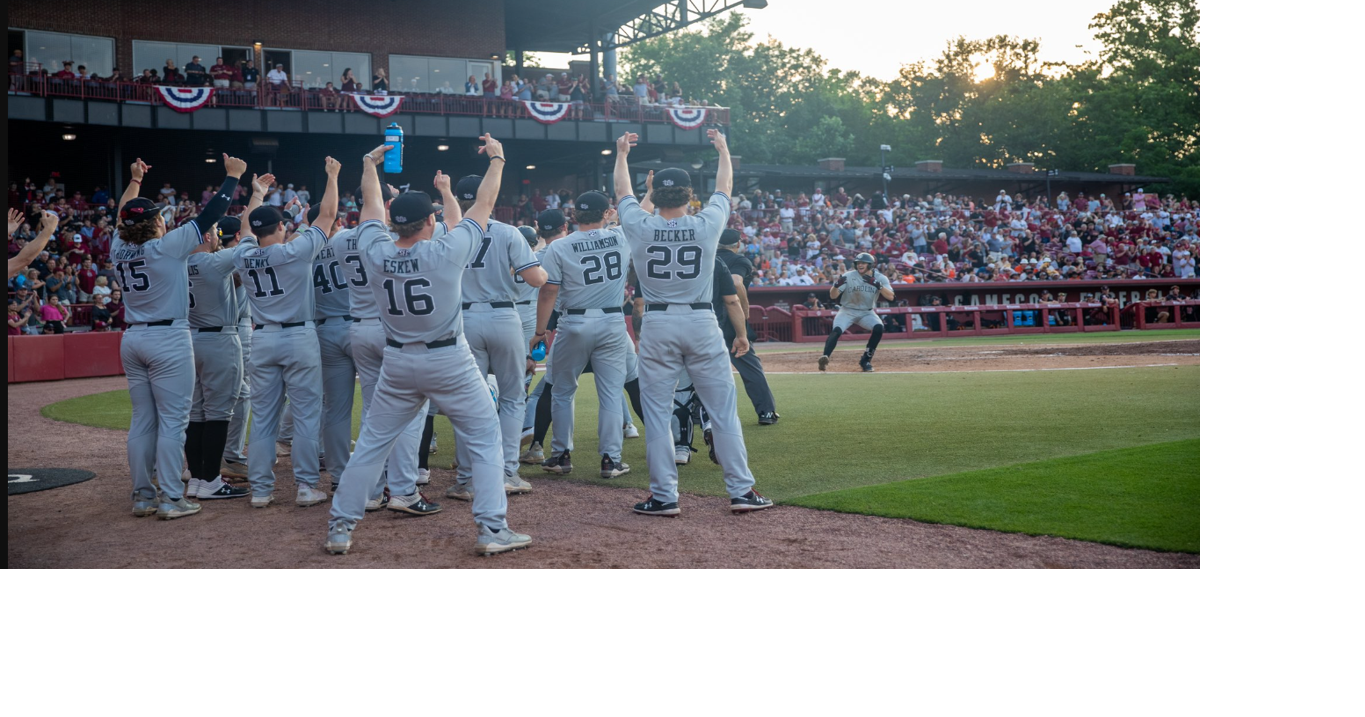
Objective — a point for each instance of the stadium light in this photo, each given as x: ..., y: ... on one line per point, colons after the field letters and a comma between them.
x: 754, y: 4
x: 69, y: 137
x: 210, y: 160
x: 530, y: 166
x: 442, y: 147
x: 606, y: 152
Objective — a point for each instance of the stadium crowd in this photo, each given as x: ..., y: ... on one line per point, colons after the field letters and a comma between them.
x: 806, y: 239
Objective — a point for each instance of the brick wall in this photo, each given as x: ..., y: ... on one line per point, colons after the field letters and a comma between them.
x: 459, y: 28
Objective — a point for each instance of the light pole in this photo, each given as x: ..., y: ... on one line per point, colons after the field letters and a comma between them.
x: 886, y: 175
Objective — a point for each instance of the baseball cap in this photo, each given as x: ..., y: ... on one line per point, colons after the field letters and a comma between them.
x: 360, y: 194
x: 468, y: 187
x: 228, y: 226
x: 729, y: 236
x: 592, y: 201
x: 263, y: 220
x: 138, y: 209
x: 550, y: 219
x: 672, y: 177
x: 411, y: 207
x: 529, y: 234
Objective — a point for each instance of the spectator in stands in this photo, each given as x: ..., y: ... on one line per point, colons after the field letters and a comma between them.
x: 100, y: 317
x: 16, y: 63
x: 251, y: 76
x: 1156, y: 314
x: 472, y: 88
x: 331, y: 99
x: 18, y: 317
x: 54, y: 316
x: 641, y: 89
x: 82, y: 73
x: 578, y: 94
x: 65, y: 73
x: 115, y: 306
x: 675, y: 95
x: 278, y: 80
x: 563, y: 87
x: 379, y: 84
x: 305, y: 196
x: 86, y: 276
x: 221, y: 73
x: 170, y: 74
x: 445, y: 89
x: 195, y: 74
x: 490, y: 86
x: 348, y: 81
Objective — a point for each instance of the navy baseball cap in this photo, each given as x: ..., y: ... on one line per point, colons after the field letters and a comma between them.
x: 138, y: 209
x: 228, y: 226
x: 550, y: 220
x: 592, y: 201
x: 411, y: 207
x: 360, y: 194
x: 468, y: 187
x: 672, y: 177
x: 729, y: 236
x: 263, y: 220
x: 529, y: 234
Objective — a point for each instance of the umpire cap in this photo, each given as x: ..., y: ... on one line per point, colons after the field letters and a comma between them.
x: 729, y: 236
x: 529, y: 234
x: 672, y: 177
x: 468, y: 188
x: 864, y: 258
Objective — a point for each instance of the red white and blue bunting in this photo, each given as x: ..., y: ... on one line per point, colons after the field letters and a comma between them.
x: 185, y: 99
x: 547, y: 112
x: 687, y: 117
x: 378, y: 105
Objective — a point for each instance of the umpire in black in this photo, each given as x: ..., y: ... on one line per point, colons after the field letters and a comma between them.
x: 749, y: 366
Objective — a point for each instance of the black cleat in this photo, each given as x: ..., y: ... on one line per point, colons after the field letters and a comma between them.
x: 654, y: 507
x: 558, y: 464
x: 612, y: 468
x: 415, y: 504
x: 768, y: 418
x: 824, y: 361
x: 710, y: 446
x: 749, y: 502
x: 866, y: 363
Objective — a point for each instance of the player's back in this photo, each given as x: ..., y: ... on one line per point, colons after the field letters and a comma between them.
x: 153, y: 275
x: 213, y: 301
x: 589, y: 267
x: 345, y: 247
x: 331, y: 292
x: 278, y: 278
x: 501, y: 254
x: 418, y: 287
x: 675, y: 257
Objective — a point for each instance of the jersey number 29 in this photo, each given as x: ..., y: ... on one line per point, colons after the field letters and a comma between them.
x: 688, y: 261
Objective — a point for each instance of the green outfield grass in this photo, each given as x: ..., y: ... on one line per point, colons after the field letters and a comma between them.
x: 1103, y: 337
x: 847, y: 431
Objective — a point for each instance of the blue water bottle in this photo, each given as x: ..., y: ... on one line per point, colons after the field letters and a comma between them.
x: 393, y: 159
x: 538, y: 353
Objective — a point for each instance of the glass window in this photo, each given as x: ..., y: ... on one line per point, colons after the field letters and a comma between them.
x: 51, y: 49
x: 150, y: 56
x: 96, y: 53
x: 313, y: 69
x: 404, y: 70
x: 184, y: 53
x: 447, y: 71
x: 359, y: 64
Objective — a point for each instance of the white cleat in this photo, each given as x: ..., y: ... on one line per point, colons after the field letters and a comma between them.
x: 308, y: 495
x: 682, y: 455
x: 423, y: 476
x: 631, y: 431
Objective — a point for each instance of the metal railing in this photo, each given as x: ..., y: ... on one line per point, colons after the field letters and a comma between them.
x: 296, y: 97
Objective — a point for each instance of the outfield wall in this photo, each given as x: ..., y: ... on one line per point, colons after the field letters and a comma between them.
x: 984, y: 293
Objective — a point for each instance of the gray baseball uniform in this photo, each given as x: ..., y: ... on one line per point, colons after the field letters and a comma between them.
x: 590, y: 270
x: 492, y: 328
x: 857, y: 301
x: 367, y: 352
x: 241, y: 407
x: 675, y: 260
x: 284, y: 355
x: 527, y: 296
x: 213, y: 327
x: 425, y: 358
x: 158, y: 356
x: 332, y: 306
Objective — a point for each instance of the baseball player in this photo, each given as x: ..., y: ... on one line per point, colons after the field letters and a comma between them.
x: 588, y: 269
x: 857, y: 292
x: 679, y: 330
x: 157, y: 352
x: 285, y: 359
x: 331, y: 314
x: 217, y: 359
x: 234, y: 454
x: 417, y: 268
x: 493, y: 331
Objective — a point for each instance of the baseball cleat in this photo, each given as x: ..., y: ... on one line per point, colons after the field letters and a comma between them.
x: 308, y: 495
x: 505, y: 540
x: 824, y: 361
x: 415, y: 504
x: 282, y: 448
x: 656, y: 507
x: 631, y: 431
x: 423, y: 476
x: 379, y: 503
x: 192, y: 487
x: 459, y: 491
x: 750, y: 501
x: 866, y: 363
x: 613, y: 468
x: 710, y: 445
x: 558, y: 464
x: 170, y: 509
x: 232, y: 469
x: 432, y: 447
x: 218, y: 488
x: 534, y: 454
x: 338, y: 539
x: 261, y: 501
x: 768, y: 418
x: 144, y: 507
x: 682, y: 455
x: 513, y: 484
x: 527, y: 436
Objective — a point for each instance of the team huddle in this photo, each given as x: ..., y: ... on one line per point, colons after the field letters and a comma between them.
x: 275, y: 318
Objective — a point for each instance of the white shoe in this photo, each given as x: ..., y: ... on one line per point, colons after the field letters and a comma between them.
x: 192, y: 489
x: 374, y: 504
x: 282, y: 449
x: 308, y: 495
x: 423, y: 476
x: 261, y: 501
x: 513, y: 484
x: 218, y: 488
x: 682, y: 455
x: 632, y: 431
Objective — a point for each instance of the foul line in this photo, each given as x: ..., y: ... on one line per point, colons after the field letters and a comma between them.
x: 986, y: 370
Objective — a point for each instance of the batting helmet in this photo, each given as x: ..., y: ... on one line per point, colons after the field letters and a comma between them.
x: 864, y: 258
x: 530, y: 234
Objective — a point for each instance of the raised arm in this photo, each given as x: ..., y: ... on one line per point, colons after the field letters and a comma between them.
x: 647, y: 203
x: 139, y: 170
x: 16, y: 220
x: 259, y: 186
x: 725, y: 173
x: 622, y: 172
x: 450, y: 207
x: 20, y: 261
x: 491, y: 184
x: 327, y: 212
x: 370, y: 188
x: 217, y: 207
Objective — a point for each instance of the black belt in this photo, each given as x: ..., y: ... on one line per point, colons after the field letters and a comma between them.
x: 664, y: 307
x: 290, y: 325
x: 433, y: 345
x: 494, y: 304
x: 165, y: 322
x: 524, y: 303
x: 212, y: 329
x: 324, y: 319
x: 608, y: 310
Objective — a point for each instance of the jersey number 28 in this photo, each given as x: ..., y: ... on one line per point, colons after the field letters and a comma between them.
x: 593, y: 265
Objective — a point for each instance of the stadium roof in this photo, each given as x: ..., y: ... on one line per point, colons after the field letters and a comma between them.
x: 792, y: 171
x: 567, y: 25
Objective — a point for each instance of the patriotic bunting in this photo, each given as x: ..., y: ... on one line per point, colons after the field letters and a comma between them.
x: 185, y: 99
x: 547, y: 112
x: 378, y: 105
x: 687, y: 117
